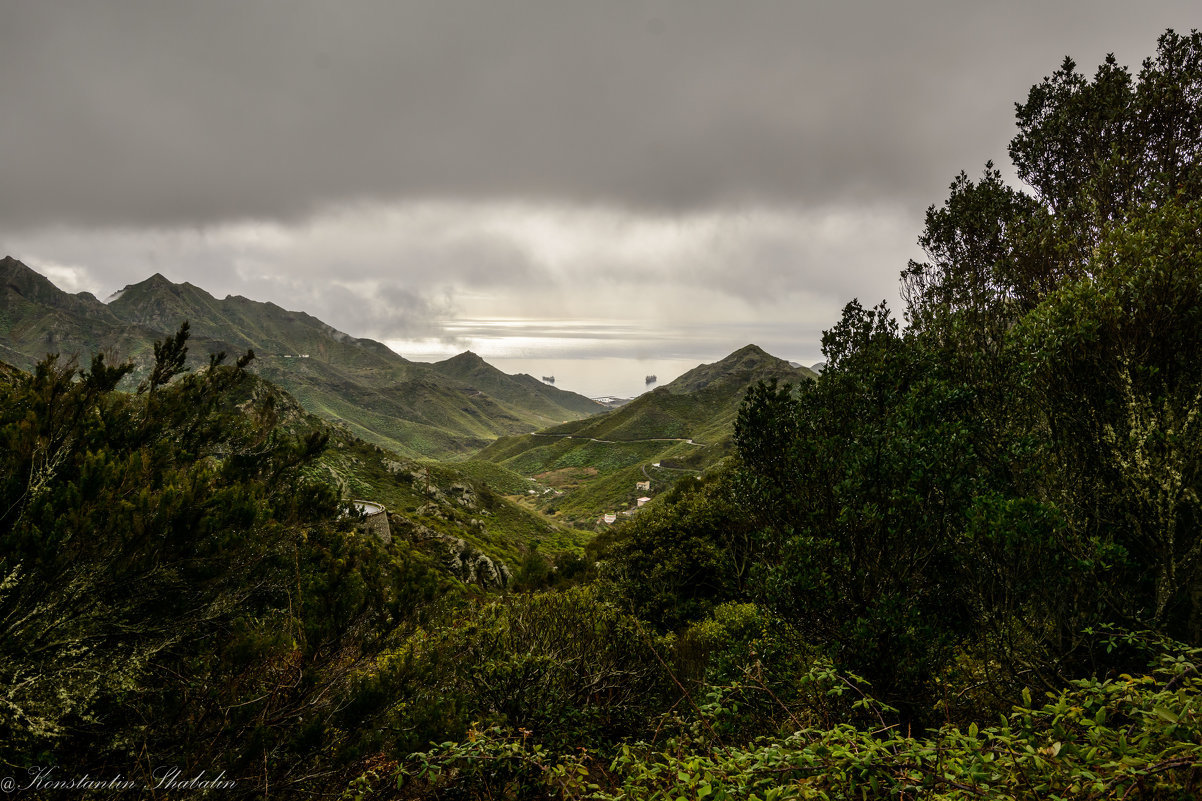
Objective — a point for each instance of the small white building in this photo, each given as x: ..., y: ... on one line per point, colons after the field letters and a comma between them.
x: 608, y: 518
x: 643, y: 500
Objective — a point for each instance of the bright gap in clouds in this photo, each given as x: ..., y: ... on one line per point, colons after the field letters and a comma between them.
x: 523, y: 282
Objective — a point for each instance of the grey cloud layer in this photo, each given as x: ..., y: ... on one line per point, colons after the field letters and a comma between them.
x: 149, y: 113
x: 687, y: 175
x: 406, y: 271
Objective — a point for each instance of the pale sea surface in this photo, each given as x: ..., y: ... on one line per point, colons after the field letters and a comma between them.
x: 602, y: 376
x: 574, y: 362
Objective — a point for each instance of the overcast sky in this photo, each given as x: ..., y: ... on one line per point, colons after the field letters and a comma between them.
x: 549, y: 179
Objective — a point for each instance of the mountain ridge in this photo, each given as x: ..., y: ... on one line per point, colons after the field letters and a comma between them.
x: 36, y: 318
x: 678, y: 429
x: 262, y: 326
x: 417, y: 409
x: 472, y: 369
x: 749, y: 360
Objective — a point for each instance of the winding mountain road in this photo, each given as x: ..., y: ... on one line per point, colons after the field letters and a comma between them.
x: 619, y: 441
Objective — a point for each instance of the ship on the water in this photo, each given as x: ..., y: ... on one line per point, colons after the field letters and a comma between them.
x: 651, y: 379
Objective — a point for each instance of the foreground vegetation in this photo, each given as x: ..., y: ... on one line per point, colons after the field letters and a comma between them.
x: 966, y: 562
x: 174, y: 591
x: 1133, y: 736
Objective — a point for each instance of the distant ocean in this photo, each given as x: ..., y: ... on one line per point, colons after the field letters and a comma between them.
x: 596, y: 377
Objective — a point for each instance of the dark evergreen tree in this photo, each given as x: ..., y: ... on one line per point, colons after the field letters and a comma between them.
x: 174, y: 591
x: 1020, y: 464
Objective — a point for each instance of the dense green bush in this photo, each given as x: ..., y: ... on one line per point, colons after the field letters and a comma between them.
x: 173, y: 591
x: 681, y: 556
x: 1131, y: 737
x: 566, y: 666
x: 1021, y: 463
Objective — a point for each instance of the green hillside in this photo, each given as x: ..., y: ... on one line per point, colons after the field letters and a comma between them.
x: 744, y: 366
x: 37, y: 318
x: 429, y: 502
x: 703, y: 401
x: 523, y: 389
x: 685, y: 427
x: 446, y: 410
x: 467, y: 502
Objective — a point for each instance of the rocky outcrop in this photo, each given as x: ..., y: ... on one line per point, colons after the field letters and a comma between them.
x: 457, y: 556
x: 463, y: 495
x: 458, y: 494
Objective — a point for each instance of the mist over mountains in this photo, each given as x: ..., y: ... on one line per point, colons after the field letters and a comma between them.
x: 445, y: 409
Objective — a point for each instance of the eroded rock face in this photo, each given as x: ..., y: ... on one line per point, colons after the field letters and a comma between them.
x: 432, y: 509
x: 483, y: 569
x: 458, y: 557
x: 463, y: 495
x: 459, y: 494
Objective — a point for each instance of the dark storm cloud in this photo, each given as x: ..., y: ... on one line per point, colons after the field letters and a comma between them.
x: 152, y: 113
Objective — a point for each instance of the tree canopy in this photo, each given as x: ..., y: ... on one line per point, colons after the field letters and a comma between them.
x: 173, y: 589
x: 1021, y: 462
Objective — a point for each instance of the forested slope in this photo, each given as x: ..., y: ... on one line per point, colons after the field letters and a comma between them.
x: 175, y: 591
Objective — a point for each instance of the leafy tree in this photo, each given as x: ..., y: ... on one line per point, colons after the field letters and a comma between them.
x: 1083, y: 302
x: 862, y: 502
x: 1116, y: 391
x: 1020, y: 463
x: 169, y: 357
x: 683, y: 555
